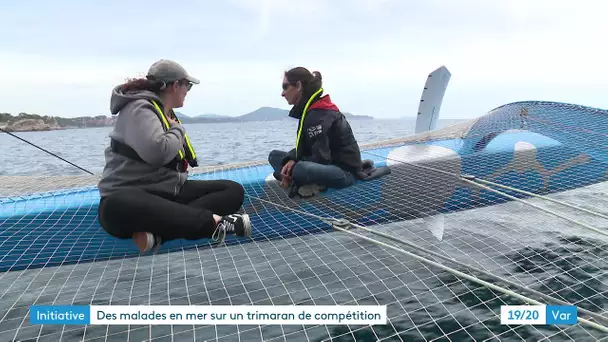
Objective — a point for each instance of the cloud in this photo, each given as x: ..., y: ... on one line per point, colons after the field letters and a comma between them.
x: 374, y: 55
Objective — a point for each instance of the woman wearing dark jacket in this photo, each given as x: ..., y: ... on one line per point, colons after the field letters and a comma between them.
x: 326, y: 153
x: 145, y: 193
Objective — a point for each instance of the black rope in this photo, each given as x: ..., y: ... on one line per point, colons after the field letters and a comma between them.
x: 51, y: 153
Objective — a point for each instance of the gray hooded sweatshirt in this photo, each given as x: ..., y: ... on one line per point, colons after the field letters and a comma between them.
x: 139, y: 127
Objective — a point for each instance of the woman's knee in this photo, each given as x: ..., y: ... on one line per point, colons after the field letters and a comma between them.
x: 120, y: 210
x: 237, y: 191
x: 275, y: 154
x: 275, y: 157
x: 109, y: 213
x: 300, y: 173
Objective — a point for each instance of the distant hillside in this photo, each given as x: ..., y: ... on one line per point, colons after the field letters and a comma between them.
x: 25, y: 122
x: 358, y: 117
x: 204, y: 118
x: 260, y: 114
x: 265, y: 114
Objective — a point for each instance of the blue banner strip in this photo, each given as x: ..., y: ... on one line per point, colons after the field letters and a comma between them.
x: 561, y: 314
x: 60, y: 314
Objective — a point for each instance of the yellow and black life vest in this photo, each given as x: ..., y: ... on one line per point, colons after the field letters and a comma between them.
x: 179, y: 163
x: 190, y: 155
x: 301, y: 125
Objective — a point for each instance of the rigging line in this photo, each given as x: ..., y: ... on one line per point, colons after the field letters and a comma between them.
x: 51, y: 153
x: 496, y: 184
x: 475, y: 178
x: 564, y: 128
x: 465, y: 179
x: 326, y: 219
x: 451, y: 270
x: 475, y: 269
x: 584, y: 225
x: 468, y: 277
x: 472, y: 268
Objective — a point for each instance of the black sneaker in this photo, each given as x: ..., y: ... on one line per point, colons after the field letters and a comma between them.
x: 237, y: 224
x: 292, y: 190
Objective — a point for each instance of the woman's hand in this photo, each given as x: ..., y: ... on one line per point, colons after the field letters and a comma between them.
x: 171, y: 121
x: 286, y: 173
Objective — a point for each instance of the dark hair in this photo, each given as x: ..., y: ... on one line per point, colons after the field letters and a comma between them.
x: 311, y: 82
x: 136, y: 84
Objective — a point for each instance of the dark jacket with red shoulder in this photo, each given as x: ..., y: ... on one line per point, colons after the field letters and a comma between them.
x: 326, y: 137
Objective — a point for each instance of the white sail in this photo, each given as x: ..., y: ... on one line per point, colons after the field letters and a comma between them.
x: 432, y: 97
x: 428, y: 115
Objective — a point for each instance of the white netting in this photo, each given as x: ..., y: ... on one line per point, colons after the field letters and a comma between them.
x: 296, y: 258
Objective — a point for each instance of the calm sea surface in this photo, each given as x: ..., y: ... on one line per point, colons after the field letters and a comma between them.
x: 215, y: 143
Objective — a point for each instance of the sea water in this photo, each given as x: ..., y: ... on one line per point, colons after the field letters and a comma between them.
x: 215, y: 143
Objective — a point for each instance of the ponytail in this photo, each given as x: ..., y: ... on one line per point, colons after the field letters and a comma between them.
x: 311, y: 82
x: 138, y: 84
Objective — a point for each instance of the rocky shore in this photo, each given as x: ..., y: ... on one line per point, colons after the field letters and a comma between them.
x: 37, y: 123
x: 30, y: 125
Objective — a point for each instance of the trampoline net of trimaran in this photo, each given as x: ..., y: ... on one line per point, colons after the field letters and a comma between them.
x: 62, y: 257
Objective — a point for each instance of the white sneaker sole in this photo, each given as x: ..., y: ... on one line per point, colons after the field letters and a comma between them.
x: 246, y: 225
x: 310, y: 190
x: 144, y: 241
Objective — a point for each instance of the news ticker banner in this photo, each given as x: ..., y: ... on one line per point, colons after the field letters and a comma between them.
x: 212, y: 314
x: 267, y: 315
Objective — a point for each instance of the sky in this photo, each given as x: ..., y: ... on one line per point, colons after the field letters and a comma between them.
x: 63, y: 58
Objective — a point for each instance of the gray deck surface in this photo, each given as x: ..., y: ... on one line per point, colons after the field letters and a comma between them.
x: 511, y: 240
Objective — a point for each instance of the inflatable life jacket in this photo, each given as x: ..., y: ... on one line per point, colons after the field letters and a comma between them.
x: 179, y: 163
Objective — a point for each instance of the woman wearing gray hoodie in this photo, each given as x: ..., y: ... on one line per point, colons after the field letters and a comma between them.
x: 145, y: 193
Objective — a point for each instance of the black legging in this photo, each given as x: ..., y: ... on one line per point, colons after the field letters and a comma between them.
x: 189, y: 215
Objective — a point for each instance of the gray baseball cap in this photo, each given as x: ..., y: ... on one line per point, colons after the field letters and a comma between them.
x: 169, y: 71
